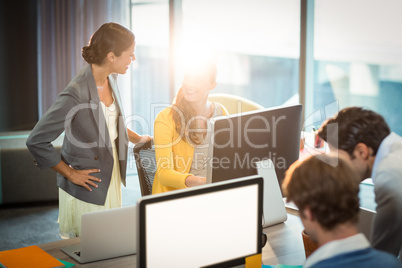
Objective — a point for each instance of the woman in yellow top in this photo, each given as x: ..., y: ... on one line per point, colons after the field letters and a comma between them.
x: 181, y: 132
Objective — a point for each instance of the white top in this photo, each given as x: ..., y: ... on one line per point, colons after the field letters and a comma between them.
x: 111, y: 114
x: 199, y: 163
x: 337, y: 247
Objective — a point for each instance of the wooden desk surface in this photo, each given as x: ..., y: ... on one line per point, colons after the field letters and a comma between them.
x: 284, y: 246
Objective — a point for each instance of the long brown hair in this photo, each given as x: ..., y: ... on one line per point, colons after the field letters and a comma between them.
x: 182, y: 112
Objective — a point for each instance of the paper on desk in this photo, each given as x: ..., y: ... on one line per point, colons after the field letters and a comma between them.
x: 32, y: 256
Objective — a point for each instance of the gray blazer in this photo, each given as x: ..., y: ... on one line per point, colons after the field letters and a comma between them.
x: 86, y: 144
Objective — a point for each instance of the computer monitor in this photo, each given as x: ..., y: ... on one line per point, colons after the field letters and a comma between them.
x: 214, y: 225
x: 239, y: 141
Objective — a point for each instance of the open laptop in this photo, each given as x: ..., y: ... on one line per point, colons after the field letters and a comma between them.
x: 274, y: 210
x: 105, y: 234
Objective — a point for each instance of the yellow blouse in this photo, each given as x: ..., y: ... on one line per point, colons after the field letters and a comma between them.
x: 173, y: 155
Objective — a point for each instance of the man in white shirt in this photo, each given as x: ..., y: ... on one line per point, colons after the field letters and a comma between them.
x: 364, y: 138
x: 325, y: 189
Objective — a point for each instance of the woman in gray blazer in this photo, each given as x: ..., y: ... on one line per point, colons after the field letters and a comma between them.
x: 93, y: 157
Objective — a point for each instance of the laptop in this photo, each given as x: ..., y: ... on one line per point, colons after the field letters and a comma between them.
x: 105, y: 234
x: 274, y: 210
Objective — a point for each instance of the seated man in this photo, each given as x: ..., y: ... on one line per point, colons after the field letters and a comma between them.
x: 363, y: 137
x: 325, y: 189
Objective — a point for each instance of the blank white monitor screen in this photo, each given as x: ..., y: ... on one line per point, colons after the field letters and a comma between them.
x: 203, y: 227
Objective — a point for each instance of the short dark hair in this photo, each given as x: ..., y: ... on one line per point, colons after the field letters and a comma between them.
x: 355, y: 125
x: 110, y: 37
x: 328, y: 186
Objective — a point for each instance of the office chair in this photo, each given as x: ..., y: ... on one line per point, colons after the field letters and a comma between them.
x: 145, y: 161
x: 234, y: 104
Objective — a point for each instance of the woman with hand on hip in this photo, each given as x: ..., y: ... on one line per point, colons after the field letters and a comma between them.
x: 93, y: 157
x: 181, y: 133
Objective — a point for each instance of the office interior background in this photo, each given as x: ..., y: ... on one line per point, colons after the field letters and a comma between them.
x: 325, y: 54
x: 353, y: 53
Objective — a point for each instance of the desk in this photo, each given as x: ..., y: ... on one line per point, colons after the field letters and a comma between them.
x: 284, y: 246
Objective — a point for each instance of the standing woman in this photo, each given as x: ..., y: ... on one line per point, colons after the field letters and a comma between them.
x: 182, y: 131
x: 93, y: 158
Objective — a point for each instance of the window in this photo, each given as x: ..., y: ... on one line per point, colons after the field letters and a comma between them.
x: 150, y: 72
x: 357, y: 53
x: 255, y: 43
x: 358, y: 57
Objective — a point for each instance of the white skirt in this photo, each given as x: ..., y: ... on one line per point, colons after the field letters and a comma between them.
x: 71, y: 208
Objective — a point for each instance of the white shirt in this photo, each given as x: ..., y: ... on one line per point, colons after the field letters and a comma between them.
x: 337, y: 247
x: 200, y: 156
x: 111, y: 115
x: 384, y: 150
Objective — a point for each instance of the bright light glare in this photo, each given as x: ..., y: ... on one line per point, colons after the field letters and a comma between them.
x: 191, y: 55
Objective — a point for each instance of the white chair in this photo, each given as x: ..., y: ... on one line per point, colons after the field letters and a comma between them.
x: 235, y: 104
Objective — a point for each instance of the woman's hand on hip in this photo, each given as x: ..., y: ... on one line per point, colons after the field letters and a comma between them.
x: 82, y: 178
x: 79, y: 177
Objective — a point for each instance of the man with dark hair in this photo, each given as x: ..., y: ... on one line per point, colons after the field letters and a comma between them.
x: 325, y: 189
x: 375, y: 152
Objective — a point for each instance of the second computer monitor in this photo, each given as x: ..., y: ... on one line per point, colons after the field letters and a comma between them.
x: 239, y: 141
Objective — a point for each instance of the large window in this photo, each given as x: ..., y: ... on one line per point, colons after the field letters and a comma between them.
x: 149, y: 82
x: 358, y: 57
x: 150, y: 74
x: 255, y: 43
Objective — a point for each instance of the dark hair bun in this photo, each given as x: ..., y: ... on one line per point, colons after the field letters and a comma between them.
x: 110, y: 37
x: 89, y: 55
